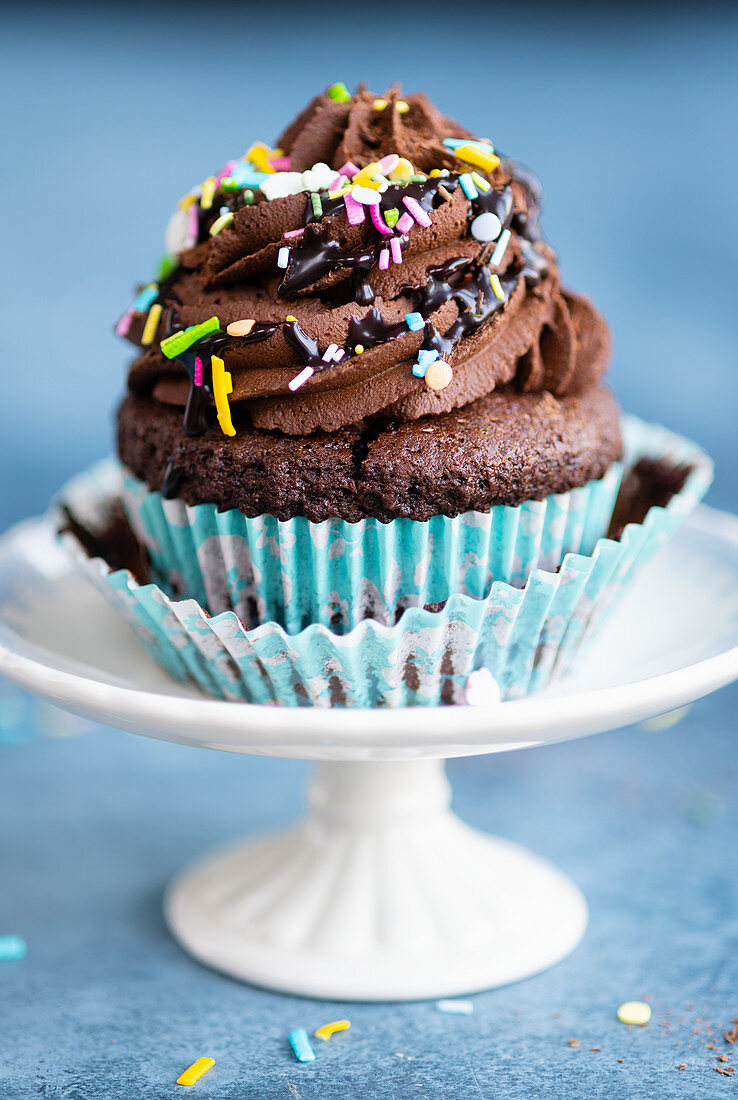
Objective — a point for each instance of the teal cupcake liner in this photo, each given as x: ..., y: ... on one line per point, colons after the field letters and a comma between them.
x: 298, y: 573
x: 525, y: 636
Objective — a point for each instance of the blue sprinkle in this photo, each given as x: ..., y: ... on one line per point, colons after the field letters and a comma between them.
x: 147, y: 297
x: 425, y: 358
x: 12, y: 947
x: 467, y: 186
x: 301, y: 1045
x: 415, y: 321
x: 245, y: 175
x: 455, y: 143
x: 455, y: 1008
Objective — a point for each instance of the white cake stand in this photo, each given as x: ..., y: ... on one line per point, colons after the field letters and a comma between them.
x: 381, y: 893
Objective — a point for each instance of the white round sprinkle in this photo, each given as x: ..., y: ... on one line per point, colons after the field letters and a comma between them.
x: 634, y: 1012
x: 486, y: 227
x: 366, y: 195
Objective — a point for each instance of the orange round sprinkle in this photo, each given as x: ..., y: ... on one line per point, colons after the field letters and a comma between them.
x: 438, y: 375
x: 240, y: 328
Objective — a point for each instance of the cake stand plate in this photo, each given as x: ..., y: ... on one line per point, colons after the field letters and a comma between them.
x: 382, y: 893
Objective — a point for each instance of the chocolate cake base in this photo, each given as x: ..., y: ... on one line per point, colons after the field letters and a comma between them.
x: 503, y: 448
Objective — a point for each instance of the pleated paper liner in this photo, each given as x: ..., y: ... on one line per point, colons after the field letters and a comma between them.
x: 297, y: 573
x: 525, y: 636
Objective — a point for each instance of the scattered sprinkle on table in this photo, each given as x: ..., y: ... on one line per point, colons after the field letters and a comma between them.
x: 327, y: 1030
x: 298, y: 1039
x: 12, y: 947
x: 455, y: 1008
x: 196, y: 1070
x: 634, y: 1012
x: 573, y: 1042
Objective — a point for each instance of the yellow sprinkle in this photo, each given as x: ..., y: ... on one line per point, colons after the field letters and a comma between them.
x: 152, y: 323
x: 289, y: 317
x: 327, y: 1030
x: 186, y: 201
x: 497, y: 287
x: 402, y: 107
x: 222, y: 386
x: 359, y: 349
x: 471, y: 155
x: 208, y: 192
x: 364, y: 175
x: 339, y: 192
x: 196, y: 1070
x: 482, y: 184
x: 435, y: 172
x: 221, y: 223
x: 634, y: 1012
x: 402, y: 170
x: 259, y: 154
x: 379, y: 104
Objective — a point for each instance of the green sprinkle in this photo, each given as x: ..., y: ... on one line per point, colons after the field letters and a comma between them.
x: 418, y: 178
x: 167, y: 266
x: 221, y: 223
x: 317, y: 204
x: 180, y: 341
x: 339, y: 92
x: 228, y: 184
x: 392, y: 216
x: 248, y: 198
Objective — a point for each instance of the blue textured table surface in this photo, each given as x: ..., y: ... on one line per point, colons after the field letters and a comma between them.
x: 112, y: 112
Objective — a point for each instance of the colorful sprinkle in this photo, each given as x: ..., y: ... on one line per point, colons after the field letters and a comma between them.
x: 290, y: 318
x: 180, y: 341
x: 415, y: 321
x: 402, y: 107
x: 354, y: 210
x: 327, y: 1030
x: 248, y: 198
x: 208, y: 193
x: 124, y: 325
x: 478, y: 158
x: 455, y: 1008
x: 634, y: 1012
x: 367, y: 196
x: 283, y: 257
x: 147, y: 297
x: 294, y: 232
x: 280, y: 164
x: 301, y: 1045
x: 349, y: 170
x: 379, y: 104
x: 241, y: 328
x: 301, y: 378
x: 339, y: 92
x: 425, y: 358
x: 384, y: 259
x: 167, y: 265
x: 467, y: 186
x: 260, y: 154
x: 359, y: 349
x: 193, y: 226
x: 198, y: 371
x: 391, y: 216
x: 396, y: 250
x: 316, y: 204
x: 438, y: 375
x: 486, y: 227
x: 417, y: 211
x: 222, y: 386
x: 379, y: 224
x: 152, y: 323
x: 196, y: 1070
x: 12, y: 947
x: 456, y: 143
x: 388, y: 163
x: 499, y: 251
x: 482, y: 184
x: 402, y: 171
x: 405, y: 223
x: 221, y: 223
x: 330, y: 352
x: 497, y: 287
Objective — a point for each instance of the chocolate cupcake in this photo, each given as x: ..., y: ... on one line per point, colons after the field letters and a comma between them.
x: 359, y: 384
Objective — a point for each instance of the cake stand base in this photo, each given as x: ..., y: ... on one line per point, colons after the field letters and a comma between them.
x: 381, y: 894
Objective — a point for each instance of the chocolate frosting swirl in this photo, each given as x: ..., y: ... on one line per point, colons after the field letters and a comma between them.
x: 329, y: 295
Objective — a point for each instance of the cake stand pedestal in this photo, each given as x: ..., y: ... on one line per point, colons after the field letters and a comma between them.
x: 381, y: 893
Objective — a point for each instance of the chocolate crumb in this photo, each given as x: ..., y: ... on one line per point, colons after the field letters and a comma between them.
x: 728, y: 1071
x: 681, y: 1065
x: 573, y: 1042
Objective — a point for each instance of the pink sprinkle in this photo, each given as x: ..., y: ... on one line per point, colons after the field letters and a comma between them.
x: 294, y: 232
x: 198, y: 371
x: 225, y: 171
x: 123, y: 326
x: 389, y: 163
x: 280, y: 164
x: 193, y: 227
x: 396, y: 250
x: 417, y: 211
x: 384, y: 259
x: 349, y: 169
x: 337, y: 182
x: 354, y: 209
x: 404, y: 224
x: 379, y: 222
